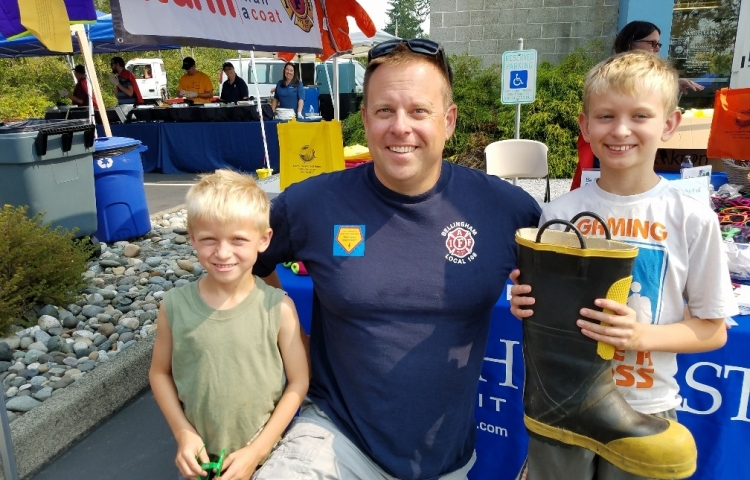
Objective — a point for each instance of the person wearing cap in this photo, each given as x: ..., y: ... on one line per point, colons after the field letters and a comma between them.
x: 126, y: 87
x: 80, y: 95
x: 408, y: 255
x: 195, y: 84
x: 234, y: 88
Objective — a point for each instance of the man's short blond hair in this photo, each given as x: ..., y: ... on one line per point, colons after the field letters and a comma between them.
x: 633, y: 73
x: 402, y: 55
x: 225, y: 196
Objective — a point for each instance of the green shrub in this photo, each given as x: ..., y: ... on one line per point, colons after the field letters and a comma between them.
x: 482, y: 118
x: 476, y: 92
x: 353, y: 130
x: 17, y: 103
x: 38, y: 264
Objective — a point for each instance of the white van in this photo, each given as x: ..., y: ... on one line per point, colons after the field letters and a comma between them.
x: 151, y: 77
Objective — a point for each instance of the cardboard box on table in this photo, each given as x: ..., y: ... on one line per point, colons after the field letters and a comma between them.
x: 691, y: 138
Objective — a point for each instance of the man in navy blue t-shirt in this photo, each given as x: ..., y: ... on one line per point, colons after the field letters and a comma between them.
x: 234, y: 87
x: 408, y: 255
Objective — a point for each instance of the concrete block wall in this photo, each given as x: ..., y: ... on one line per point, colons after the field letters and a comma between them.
x: 487, y: 28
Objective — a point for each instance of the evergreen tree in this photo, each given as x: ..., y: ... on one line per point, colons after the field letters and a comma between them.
x: 405, y: 18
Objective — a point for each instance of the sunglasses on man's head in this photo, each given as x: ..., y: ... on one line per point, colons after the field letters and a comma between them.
x: 653, y: 43
x: 421, y: 46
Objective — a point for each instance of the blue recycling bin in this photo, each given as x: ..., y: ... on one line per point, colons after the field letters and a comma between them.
x: 121, y: 207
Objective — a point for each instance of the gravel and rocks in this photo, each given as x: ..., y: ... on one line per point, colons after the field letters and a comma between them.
x: 119, y: 308
x: 536, y: 187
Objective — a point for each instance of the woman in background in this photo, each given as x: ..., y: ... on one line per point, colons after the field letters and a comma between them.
x: 289, y: 93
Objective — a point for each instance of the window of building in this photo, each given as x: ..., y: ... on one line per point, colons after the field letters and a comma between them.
x: 701, y: 45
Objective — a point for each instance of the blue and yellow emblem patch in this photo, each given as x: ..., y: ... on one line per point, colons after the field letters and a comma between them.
x: 348, y: 240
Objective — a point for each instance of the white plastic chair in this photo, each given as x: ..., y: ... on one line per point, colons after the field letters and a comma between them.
x: 518, y: 158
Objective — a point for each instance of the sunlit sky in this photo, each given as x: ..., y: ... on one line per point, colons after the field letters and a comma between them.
x: 376, y: 9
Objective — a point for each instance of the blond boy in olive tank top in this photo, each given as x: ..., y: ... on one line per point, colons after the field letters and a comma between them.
x: 229, y: 368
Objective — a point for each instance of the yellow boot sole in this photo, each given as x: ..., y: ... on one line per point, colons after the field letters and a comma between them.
x: 671, y: 454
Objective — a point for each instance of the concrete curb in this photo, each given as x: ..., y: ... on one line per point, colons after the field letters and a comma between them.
x: 46, y: 431
x: 49, y: 429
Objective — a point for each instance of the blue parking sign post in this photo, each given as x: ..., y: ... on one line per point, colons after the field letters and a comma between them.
x: 518, y: 76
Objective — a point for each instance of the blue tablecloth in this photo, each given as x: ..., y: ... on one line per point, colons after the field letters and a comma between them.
x: 191, y: 147
x: 147, y: 133
x: 715, y: 388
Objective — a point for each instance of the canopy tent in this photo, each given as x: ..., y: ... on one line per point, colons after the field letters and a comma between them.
x: 219, y: 24
x: 101, y: 35
x: 361, y: 44
x: 222, y: 24
x: 92, y: 38
x: 296, y: 27
x: 11, y: 21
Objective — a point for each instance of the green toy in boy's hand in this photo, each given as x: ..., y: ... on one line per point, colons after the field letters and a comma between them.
x: 212, y: 468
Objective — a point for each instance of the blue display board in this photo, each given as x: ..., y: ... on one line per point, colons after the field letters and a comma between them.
x: 715, y: 387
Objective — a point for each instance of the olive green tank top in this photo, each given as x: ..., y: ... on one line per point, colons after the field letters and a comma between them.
x: 226, y: 364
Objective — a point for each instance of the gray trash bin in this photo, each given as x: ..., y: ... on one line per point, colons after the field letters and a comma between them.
x: 48, y: 166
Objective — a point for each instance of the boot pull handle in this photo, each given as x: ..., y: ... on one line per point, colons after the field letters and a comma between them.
x: 561, y: 222
x: 607, y: 233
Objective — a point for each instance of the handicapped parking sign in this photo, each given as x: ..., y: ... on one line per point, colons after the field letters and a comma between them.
x: 519, y: 78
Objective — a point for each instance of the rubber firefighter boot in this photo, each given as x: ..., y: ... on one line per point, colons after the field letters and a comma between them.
x: 569, y: 394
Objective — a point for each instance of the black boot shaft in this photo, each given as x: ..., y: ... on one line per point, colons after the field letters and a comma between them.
x: 567, y: 283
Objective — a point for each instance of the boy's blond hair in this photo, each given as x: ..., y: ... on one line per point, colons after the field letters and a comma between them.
x: 633, y: 73
x: 226, y: 196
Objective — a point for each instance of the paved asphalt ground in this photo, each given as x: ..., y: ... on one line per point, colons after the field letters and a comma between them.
x: 135, y: 443
x: 166, y: 191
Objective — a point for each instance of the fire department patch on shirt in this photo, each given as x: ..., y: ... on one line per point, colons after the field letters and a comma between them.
x: 459, y: 240
x: 348, y: 240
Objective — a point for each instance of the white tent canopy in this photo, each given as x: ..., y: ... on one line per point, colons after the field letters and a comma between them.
x: 360, y: 46
x: 223, y: 24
